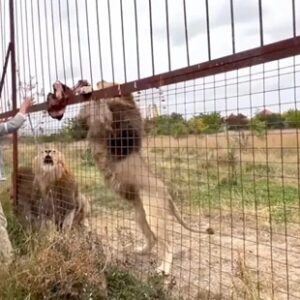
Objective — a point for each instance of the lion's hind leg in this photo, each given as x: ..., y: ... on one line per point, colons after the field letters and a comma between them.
x: 156, y: 209
x: 145, y: 228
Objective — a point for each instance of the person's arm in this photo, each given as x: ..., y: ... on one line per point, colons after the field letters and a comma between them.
x: 12, y: 125
x: 18, y: 120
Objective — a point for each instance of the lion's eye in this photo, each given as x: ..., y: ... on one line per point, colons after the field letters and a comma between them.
x: 54, y: 151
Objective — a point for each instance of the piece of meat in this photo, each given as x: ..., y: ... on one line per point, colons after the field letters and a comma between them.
x: 58, y: 101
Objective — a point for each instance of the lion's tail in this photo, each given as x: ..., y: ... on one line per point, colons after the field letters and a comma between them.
x: 178, y: 217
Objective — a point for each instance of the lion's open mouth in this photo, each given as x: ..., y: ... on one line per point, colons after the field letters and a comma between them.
x: 48, y: 160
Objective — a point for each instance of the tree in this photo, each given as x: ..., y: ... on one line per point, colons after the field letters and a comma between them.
x: 196, y: 125
x: 175, y: 117
x: 212, y: 122
x: 292, y: 118
x: 179, y: 129
x: 237, y: 122
x: 174, y: 125
x: 272, y: 121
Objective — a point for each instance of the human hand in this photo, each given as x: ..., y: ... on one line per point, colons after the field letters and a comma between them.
x: 24, y: 108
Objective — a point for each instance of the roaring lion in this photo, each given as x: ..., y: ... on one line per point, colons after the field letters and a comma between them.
x: 115, y: 131
x: 61, y: 202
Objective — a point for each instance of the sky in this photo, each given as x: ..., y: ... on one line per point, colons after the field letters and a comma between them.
x: 71, y: 40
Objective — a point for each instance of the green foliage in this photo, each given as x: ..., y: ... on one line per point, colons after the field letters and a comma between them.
x: 292, y: 118
x: 87, y: 158
x: 179, y: 129
x: 75, y: 129
x: 196, y: 125
x: 19, y: 237
x: 124, y: 285
x: 272, y: 121
x: 212, y: 122
x: 258, y: 127
x: 50, y: 138
x: 174, y: 125
x: 176, y: 117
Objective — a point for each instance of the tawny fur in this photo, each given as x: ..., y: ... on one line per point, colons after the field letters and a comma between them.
x: 115, y: 131
x: 61, y: 202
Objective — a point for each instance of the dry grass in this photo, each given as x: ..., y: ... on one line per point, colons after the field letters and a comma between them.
x: 57, y: 267
x: 286, y: 138
x: 245, y: 285
x: 74, y: 265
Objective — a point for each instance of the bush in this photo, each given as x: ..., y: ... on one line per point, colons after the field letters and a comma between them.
x: 174, y: 125
x: 272, y: 121
x: 212, y: 122
x: 75, y: 129
x: 123, y: 285
x: 179, y: 130
x: 196, y: 125
x: 258, y: 127
x: 292, y: 118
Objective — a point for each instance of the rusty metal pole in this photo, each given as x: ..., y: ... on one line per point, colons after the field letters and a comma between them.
x: 4, y: 69
x: 14, y: 95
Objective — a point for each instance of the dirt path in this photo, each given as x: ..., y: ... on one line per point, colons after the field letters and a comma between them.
x: 235, y: 262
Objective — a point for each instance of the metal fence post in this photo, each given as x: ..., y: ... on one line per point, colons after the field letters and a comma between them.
x: 4, y: 69
x: 14, y: 95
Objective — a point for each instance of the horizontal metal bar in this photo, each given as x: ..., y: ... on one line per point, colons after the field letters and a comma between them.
x: 275, y: 51
x: 34, y: 108
x: 5, y: 68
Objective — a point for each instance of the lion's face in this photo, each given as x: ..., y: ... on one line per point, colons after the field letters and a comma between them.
x: 49, y: 159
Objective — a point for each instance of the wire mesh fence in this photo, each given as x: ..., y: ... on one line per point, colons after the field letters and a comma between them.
x: 223, y: 145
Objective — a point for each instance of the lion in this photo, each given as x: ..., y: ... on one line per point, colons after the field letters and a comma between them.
x: 115, y: 130
x: 61, y: 202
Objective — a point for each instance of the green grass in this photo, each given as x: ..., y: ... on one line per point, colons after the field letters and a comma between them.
x: 279, y: 201
x: 237, y: 185
x: 124, y: 285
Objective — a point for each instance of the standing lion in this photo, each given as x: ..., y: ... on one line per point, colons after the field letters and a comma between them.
x: 115, y: 130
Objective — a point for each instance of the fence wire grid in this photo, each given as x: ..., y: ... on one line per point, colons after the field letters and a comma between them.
x: 224, y: 142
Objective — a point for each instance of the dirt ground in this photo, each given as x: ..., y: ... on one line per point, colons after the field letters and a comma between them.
x: 241, y: 261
